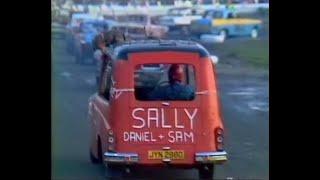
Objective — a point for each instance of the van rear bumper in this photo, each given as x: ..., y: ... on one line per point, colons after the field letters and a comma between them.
x: 211, y: 157
x: 121, y: 158
x: 133, y: 158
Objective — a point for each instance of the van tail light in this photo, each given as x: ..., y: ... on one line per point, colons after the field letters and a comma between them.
x: 111, y: 141
x: 219, y: 139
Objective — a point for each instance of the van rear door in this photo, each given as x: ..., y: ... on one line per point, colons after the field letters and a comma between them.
x: 162, y: 130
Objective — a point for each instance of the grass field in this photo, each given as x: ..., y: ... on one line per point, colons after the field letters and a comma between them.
x: 255, y: 52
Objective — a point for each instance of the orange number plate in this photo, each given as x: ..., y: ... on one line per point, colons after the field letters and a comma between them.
x: 171, y: 154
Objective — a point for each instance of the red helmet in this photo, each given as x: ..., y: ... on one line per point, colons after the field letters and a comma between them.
x: 175, y: 73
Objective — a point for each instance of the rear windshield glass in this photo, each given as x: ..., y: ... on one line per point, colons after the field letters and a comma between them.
x: 164, y: 82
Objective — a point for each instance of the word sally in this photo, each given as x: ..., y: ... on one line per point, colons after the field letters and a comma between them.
x: 155, y: 117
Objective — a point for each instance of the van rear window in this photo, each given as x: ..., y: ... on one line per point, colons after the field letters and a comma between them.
x: 164, y: 82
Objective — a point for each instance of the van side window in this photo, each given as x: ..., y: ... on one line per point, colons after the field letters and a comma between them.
x: 164, y: 82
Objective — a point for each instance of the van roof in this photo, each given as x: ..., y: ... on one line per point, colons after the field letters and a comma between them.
x: 122, y: 51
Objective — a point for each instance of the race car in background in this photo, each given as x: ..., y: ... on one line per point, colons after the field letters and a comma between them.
x: 180, y: 18
x: 132, y: 31
x: 73, y: 28
x: 225, y: 23
x: 149, y: 25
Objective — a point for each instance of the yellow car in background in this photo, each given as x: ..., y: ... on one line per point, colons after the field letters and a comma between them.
x: 225, y: 23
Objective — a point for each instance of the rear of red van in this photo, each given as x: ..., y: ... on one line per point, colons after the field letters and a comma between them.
x: 176, y: 132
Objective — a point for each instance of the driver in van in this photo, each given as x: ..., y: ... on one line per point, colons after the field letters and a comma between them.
x: 176, y: 90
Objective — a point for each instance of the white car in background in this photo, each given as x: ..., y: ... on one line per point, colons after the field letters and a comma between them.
x: 77, y: 18
x: 148, y: 24
x: 180, y: 18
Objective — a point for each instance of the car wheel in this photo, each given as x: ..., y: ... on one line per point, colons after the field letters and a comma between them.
x: 97, y: 160
x: 254, y: 33
x: 223, y: 34
x: 93, y: 159
x: 206, y: 171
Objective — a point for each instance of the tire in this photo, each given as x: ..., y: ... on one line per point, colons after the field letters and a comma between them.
x: 224, y: 34
x: 93, y: 159
x: 206, y: 173
x: 97, y: 160
x: 254, y: 33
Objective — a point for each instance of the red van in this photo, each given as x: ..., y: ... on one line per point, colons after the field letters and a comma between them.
x: 157, y: 106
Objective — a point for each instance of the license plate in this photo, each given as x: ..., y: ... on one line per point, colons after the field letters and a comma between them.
x: 171, y: 154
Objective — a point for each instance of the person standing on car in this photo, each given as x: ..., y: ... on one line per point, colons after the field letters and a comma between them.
x: 112, y: 38
x: 99, y: 49
x: 106, y: 41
